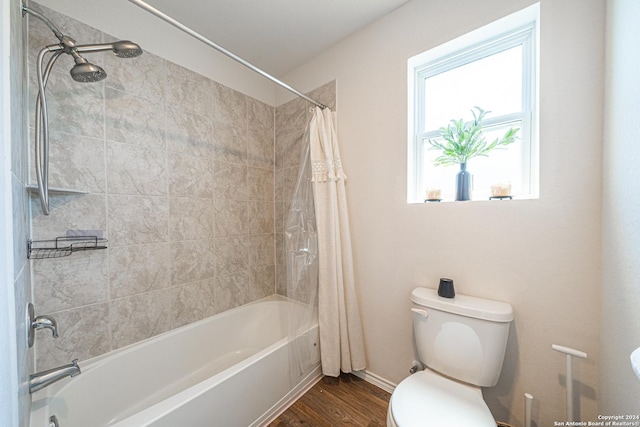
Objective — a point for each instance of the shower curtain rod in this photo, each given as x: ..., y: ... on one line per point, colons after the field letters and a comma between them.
x: 220, y: 49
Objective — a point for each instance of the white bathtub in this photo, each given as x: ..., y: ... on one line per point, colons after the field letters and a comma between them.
x: 230, y: 370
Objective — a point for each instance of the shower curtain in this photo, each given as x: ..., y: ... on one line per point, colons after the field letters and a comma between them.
x: 318, y: 256
x: 341, y: 340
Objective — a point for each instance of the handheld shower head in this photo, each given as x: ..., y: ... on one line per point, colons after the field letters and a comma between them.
x: 126, y: 49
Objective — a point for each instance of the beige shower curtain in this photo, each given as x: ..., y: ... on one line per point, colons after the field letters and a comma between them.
x: 341, y: 341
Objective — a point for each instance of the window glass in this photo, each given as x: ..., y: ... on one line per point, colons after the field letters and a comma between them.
x: 493, y: 83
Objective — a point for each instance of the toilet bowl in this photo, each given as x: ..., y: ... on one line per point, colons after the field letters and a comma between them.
x: 429, y: 399
x: 462, y: 342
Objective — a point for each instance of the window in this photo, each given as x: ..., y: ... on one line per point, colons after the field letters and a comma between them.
x: 495, y: 69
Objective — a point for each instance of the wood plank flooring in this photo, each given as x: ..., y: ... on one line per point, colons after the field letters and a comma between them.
x: 347, y: 400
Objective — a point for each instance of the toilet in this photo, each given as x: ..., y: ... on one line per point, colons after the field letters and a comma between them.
x: 462, y: 342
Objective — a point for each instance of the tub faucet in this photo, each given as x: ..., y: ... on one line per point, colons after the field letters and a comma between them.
x: 42, y: 379
x: 46, y: 322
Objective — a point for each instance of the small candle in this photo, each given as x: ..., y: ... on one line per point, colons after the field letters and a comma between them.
x: 498, y: 190
x: 434, y: 194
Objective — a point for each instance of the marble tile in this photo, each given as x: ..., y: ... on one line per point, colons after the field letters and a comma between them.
x: 75, y: 162
x: 292, y: 117
x: 288, y: 148
x: 137, y: 171
x: 193, y: 302
x: 260, y: 151
x: 280, y: 249
x: 280, y: 219
x: 289, y: 184
x: 189, y: 91
x: 230, y: 218
x: 230, y: 181
x: 230, y: 143
x: 232, y: 255
x: 70, y: 282
x: 139, y: 268
x: 83, y: 334
x: 278, y: 182
x: 281, y: 280
x: 139, y: 317
x: 191, y: 218
x: 229, y: 106
x: 134, y: 120
x: 141, y: 77
x: 260, y: 183
x: 261, y: 117
x: 189, y: 133
x: 192, y: 261
x: 261, y: 250
x: 261, y: 217
x: 72, y: 107
x: 138, y: 219
x: 262, y: 282
x: 72, y: 212
x: 231, y: 291
x: 190, y: 176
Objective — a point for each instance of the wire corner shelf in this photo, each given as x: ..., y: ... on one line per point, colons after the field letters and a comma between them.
x: 63, y: 246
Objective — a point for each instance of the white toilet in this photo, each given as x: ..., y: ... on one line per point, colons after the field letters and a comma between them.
x: 462, y: 342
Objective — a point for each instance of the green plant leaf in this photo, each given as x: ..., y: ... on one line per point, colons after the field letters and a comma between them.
x: 465, y: 140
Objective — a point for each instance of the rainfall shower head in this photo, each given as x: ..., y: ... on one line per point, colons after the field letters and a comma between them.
x: 86, y: 72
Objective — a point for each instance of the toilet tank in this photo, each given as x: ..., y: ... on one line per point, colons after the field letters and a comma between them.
x: 464, y: 338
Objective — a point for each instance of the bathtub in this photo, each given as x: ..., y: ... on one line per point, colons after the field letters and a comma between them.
x: 229, y: 370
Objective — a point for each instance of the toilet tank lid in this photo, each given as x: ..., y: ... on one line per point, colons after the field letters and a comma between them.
x: 464, y: 305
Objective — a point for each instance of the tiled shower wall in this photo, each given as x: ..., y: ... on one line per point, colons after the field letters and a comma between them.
x: 180, y: 175
x: 183, y: 179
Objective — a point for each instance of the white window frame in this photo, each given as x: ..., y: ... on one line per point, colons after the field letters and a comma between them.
x: 518, y: 29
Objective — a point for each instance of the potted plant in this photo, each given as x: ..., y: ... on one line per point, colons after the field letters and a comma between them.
x: 462, y: 142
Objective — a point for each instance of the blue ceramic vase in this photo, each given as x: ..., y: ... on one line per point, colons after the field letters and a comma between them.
x: 463, y: 183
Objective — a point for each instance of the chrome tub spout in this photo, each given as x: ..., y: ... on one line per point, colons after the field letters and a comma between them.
x: 42, y: 379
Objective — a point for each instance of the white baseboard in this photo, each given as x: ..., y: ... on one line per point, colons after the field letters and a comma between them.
x: 376, y: 380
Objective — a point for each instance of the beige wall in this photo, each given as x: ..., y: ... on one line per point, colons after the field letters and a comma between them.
x: 542, y: 256
x: 619, y: 388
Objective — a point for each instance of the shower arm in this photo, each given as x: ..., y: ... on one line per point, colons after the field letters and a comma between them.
x: 44, y: 19
x: 42, y: 126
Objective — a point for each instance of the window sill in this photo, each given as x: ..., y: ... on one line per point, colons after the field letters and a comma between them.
x: 478, y: 199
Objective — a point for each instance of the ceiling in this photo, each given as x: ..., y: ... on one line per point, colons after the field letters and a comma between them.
x: 276, y: 35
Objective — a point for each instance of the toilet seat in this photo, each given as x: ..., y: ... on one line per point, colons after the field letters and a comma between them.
x: 428, y: 399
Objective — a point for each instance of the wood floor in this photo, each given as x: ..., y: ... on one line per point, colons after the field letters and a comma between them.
x: 347, y: 400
